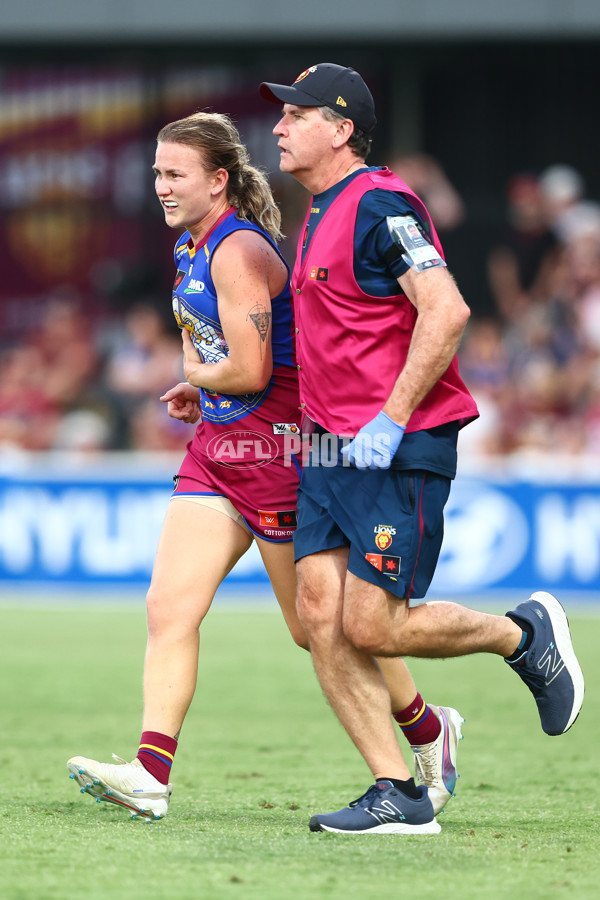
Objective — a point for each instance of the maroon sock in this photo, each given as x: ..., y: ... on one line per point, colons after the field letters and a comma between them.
x: 156, y: 754
x: 418, y: 722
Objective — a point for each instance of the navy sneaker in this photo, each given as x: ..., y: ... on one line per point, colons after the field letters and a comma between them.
x: 549, y: 667
x: 383, y: 809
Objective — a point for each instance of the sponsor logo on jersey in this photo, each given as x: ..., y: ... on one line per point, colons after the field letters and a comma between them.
x: 389, y: 565
x: 178, y: 278
x: 277, y: 518
x: 285, y: 428
x: 318, y: 273
x: 194, y: 287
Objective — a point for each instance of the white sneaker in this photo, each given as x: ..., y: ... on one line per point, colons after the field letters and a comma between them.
x: 128, y: 784
x: 435, y: 763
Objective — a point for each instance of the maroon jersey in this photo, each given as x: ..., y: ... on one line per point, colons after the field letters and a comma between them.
x: 352, y: 346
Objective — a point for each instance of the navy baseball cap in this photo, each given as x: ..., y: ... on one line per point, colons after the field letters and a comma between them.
x: 341, y: 89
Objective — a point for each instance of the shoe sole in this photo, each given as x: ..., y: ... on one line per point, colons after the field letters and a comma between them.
x: 386, y: 828
x: 90, y: 783
x: 564, y: 645
x: 454, y: 732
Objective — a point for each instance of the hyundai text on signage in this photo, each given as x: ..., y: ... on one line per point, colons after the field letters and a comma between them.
x: 96, y: 528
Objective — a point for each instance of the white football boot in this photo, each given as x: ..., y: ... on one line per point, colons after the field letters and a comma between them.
x: 435, y: 763
x: 127, y: 784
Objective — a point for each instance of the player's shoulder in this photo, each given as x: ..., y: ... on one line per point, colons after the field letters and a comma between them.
x: 244, y: 250
x: 247, y: 239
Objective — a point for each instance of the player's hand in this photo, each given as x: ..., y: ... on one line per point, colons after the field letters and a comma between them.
x: 375, y: 444
x: 183, y: 402
x: 192, y: 360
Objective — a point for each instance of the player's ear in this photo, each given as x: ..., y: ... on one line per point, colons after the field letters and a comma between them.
x: 219, y: 181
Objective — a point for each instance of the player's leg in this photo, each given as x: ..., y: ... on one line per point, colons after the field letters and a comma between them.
x: 198, y: 546
x: 278, y: 559
x: 433, y: 732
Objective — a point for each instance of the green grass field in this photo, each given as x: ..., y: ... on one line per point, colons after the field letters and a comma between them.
x: 261, y: 752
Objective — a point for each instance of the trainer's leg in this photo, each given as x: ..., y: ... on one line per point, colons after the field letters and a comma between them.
x: 279, y: 563
x: 350, y: 678
x: 278, y: 559
x: 198, y: 546
x: 375, y: 621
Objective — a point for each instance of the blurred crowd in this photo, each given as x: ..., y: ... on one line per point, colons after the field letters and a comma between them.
x: 532, y: 360
x: 534, y: 364
x: 68, y: 387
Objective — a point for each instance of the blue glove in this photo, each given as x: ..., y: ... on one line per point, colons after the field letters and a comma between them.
x: 375, y: 444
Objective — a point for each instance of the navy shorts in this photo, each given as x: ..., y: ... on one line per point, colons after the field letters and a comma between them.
x: 392, y: 521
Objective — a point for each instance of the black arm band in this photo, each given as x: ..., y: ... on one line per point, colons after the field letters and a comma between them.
x: 396, y: 251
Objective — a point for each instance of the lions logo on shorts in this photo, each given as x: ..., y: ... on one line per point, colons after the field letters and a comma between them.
x: 383, y: 540
x: 384, y: 535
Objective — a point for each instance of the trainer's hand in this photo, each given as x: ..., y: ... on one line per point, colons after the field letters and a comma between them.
x: 183, y: 402
x: 375, y: 444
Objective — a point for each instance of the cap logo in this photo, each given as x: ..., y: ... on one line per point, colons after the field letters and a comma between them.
x: 341, y: 102
x: 305, y: 73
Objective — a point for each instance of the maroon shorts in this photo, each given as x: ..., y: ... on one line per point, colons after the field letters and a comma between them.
x: 250, y: 462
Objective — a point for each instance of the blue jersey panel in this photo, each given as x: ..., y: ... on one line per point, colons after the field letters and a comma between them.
x: 195, y: 306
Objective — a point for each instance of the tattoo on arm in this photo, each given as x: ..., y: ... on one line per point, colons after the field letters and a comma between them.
x: 261, y: 319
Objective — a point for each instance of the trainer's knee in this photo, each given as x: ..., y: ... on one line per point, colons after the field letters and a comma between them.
x: 299, y: 636
x: 370, y: 636
x: 313, y: 613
